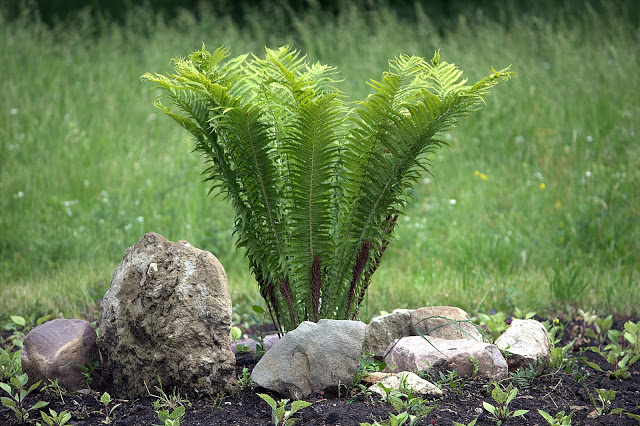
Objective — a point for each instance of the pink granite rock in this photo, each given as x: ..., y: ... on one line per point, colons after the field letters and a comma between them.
x: 416, y: 353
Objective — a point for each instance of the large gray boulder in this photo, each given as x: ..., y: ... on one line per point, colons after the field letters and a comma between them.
x: 313, y: 357
x: 526, y: 341
x: 167, y: 314
x: 57, y: 349
x: 441, y: 355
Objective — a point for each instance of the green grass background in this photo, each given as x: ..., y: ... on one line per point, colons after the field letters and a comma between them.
x: 536, y: 206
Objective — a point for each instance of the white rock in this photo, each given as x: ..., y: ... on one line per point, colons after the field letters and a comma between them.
x: 404, y: 381
x: 527, y: 341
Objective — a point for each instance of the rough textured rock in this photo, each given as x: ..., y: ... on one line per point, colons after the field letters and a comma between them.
x: 436, y: 321
x: 385, y: 329
x: 55, y: 349
x: 416, y: 353
x: 527, y: 341
x: 313, y: 357
x: 167, y: 314
x: 409, y: 381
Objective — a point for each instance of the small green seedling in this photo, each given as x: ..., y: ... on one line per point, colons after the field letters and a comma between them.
x: 632, y: 336
x: 164, y: 401
x: 523, y: 376
x: 605, y: 398
x: 393, y: 420
x: 279, y: 414
x: 245, y: 380
x: 409, y: 407
x: 171, y: 419
x: 53, y: 389
x: 217, y: 401
x: 413, y: 408
x: 517, y: 313
x: 558, y: 356
x: 496, y: 323
x: 10, y: 364
x: 259, y: 339
x: 623, y: 351
x: 54, y: 419
x: 560, y: 418
x: 601, y: 328
x: 555, y: 330
x: 452, y: 379
x: 108, y: 412
x: 88, y: 369
x: 235, y: 333
x: 503, y: 398
x: 367, y: 365
x: 17, y: 328
x: 18, y: 394
x: 243, y: 348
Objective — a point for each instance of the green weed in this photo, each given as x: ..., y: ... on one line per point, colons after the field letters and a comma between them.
x: 280, y: 416
x: 501, y: 412
x: 17, y: 395
x: 54, y: 418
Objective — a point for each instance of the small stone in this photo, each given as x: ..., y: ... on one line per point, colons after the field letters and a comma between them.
x: 56, y: 349
x: 375, y: 377
x: 527, y: 342
x: 384, y: 329
x: 593, y: 414
x: 407, y: 382
x: 444, y: 322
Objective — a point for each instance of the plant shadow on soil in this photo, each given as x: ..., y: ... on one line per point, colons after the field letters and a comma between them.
x: 552, y: 391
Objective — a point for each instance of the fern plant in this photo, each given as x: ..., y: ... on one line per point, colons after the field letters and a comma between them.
x: 317, y: 185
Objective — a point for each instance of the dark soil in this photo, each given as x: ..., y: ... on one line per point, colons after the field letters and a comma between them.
x: 570, y: 389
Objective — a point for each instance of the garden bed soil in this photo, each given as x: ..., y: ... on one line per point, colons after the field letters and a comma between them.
x: 552, y: 391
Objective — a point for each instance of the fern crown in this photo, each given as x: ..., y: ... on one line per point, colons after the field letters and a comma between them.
x: 317, y: 184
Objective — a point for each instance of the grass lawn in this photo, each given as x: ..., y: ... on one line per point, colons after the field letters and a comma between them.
x: 536, y: 205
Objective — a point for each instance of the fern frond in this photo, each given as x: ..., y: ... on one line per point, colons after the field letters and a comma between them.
x: 395, y: 129
x: 250, y: 144
x: 311, y: 153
